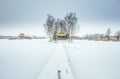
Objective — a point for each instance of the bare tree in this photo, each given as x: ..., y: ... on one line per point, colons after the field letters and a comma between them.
x: 71, y: 21
x: 118, y: 35
x: 56, y: 27
x: 21, y: 36
x: 108, y: 32
x: 49, y: 26
x: 102, y: 36
x: 63, y: 25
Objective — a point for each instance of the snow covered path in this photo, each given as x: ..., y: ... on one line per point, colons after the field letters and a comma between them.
x: 58, y: 66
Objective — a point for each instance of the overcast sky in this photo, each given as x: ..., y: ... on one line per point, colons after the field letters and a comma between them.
x: 91, y: 13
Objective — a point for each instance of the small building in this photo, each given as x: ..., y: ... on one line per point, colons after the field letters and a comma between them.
x: 61, y: 35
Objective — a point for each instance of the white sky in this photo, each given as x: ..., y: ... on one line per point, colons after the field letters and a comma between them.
x: 94, y: 16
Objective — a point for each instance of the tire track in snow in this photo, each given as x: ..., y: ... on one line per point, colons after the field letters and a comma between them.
x: 46, y: 61
x: 57, y: 62
x: 68, y: 58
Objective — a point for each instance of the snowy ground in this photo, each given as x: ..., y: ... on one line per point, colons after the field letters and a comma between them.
x: 39, y: 59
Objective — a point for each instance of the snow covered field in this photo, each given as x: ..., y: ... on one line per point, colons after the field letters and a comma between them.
x: 39, y: 59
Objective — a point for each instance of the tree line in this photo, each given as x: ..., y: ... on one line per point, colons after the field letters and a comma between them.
x: 105, y: 37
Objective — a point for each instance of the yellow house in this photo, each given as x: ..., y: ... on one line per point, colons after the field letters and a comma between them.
x: 61, y: 35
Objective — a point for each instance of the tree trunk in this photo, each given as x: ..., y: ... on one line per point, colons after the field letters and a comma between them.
x: 70, y: 35
x: 50, y: 38
x: 108, y: 38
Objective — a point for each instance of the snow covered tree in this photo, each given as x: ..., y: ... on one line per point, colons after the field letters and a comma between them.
x: 108, y: 32
x: 71, y: 21
x: 49, y: 26
x: 21, y: 36
x: 60, y: 25
x: 67, y: 25
x: 118, y: 35
x: 63, y: 25
x: 56, y: 26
